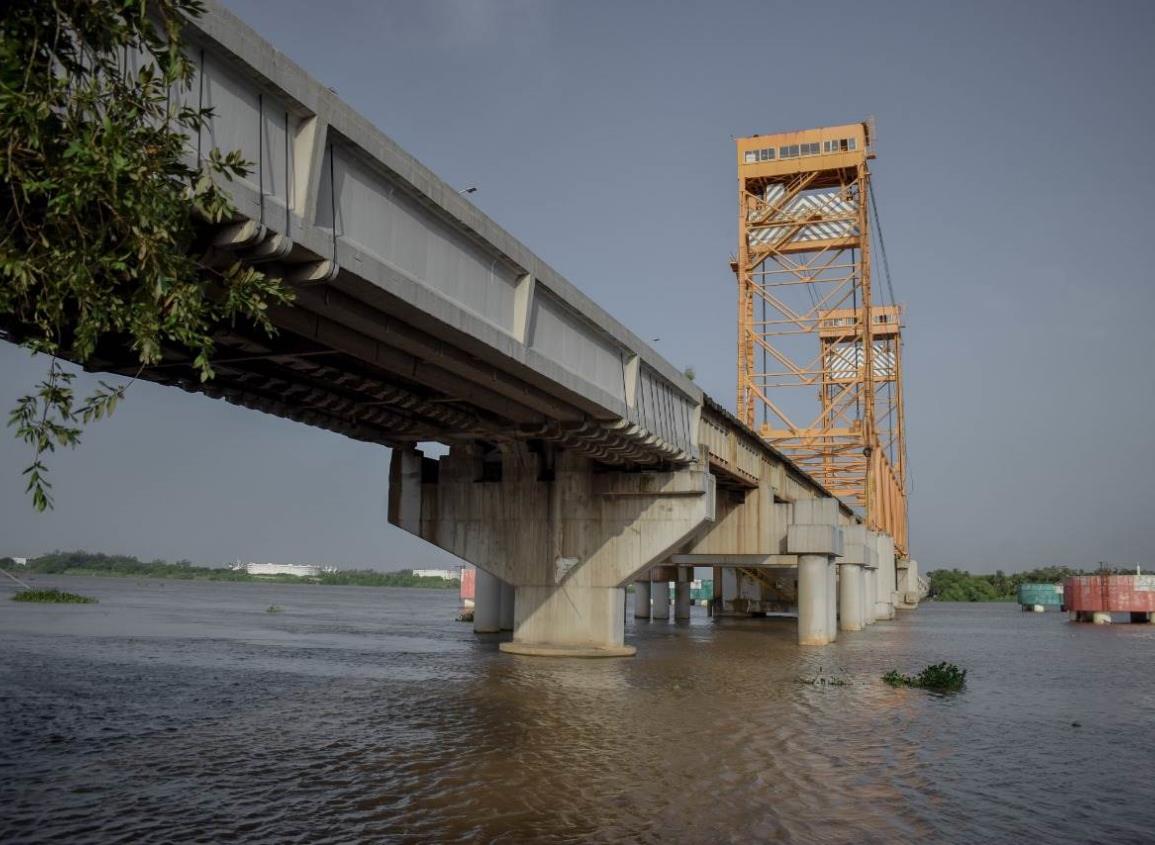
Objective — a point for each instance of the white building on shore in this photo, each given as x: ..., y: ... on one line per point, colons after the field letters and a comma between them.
x: 301, y: 570
x: 447, y: 574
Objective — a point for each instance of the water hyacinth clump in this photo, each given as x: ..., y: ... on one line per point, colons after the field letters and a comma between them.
x: 939, y: 677
x: 52, y: 596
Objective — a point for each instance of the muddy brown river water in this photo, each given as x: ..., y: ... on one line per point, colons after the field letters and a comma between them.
x: 176, y: 712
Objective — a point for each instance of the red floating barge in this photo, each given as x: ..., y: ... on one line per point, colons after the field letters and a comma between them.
x: 1093, y: 598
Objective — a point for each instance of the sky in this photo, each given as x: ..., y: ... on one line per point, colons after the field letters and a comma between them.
x: 1015, y: 180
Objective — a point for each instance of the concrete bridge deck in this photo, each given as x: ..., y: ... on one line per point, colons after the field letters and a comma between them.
x: 579, y: 457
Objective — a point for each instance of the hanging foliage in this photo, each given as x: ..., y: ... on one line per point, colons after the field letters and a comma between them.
x: 101, y: 204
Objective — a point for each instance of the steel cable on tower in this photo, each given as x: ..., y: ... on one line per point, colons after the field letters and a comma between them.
x: 893, y: 301
x: 881, y: 245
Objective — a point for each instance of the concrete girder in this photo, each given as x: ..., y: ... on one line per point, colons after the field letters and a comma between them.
x: 341, y: 308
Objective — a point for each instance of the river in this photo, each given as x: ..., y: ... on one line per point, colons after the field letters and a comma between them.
x: 184, y: 712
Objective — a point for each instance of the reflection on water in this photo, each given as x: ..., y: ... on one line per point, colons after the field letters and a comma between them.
x: 179, y: 712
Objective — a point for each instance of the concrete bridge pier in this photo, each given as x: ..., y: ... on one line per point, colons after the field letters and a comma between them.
x: 660, y: 591
x: 886, y: 575
x: 567, y: 537
x: 815, y: 537
x: 908, y: 589
x: 813, y: 618
x: 832, y: 599
x: 851, y: 601
x: 486, y: 603
x: 507, y: 606
x: 682, y: 594
x: 642, y: 598
x: 856, y: 595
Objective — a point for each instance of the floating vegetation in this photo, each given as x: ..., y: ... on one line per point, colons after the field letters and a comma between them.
x: 274, y: 608
x: 939, y: 677
x: 821, y: 680
x: 52, y: 596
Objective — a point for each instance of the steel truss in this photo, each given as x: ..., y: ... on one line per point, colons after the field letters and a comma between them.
x: 804, y: 270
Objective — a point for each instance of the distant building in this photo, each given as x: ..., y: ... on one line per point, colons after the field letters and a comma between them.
x: 447, y: 574
x: 301, y: 570
x: 20, y: 561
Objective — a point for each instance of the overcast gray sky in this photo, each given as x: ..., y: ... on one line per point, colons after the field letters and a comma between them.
x: 1015, y: 182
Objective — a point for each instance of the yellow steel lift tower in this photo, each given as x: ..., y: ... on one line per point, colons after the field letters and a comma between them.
x: 810, y: 317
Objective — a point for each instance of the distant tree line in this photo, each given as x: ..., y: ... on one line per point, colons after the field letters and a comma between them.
x: 958, y: 585
x: 93, y: 563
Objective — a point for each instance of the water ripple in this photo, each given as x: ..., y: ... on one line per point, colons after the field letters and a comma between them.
x: 182, y: 713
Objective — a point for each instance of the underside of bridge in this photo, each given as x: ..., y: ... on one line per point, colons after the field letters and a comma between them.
x: 358, y: 362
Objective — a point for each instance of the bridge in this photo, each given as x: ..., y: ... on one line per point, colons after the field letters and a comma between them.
x: 579, y: 461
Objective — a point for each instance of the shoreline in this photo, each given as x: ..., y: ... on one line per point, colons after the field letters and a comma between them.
x: 381, y: 580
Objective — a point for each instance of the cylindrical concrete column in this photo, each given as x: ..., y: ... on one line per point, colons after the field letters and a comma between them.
x: 831, y: 602
x: 486, y: 603
x: 682, y: 594
x: 871, y: 595
x: 851, y: 602
x: 660, y: 593
x: 641, y: 599
x: 506, y: 612
x: 813, y: 582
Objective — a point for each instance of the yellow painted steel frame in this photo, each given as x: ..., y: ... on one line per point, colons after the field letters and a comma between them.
x: 803, y: 225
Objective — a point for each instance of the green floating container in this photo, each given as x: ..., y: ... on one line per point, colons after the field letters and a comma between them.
x: 1048, y: 595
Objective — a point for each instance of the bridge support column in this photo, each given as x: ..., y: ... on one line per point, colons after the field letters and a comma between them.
x: 660, y: 591
x: 886, y: 577
x: 682, y: 594
x: 851, y: 602
x: 486, y: 603
x: 507, y: 605
x: 567, y: 537
x: 908, y: 590
x: 871, y: 608
x: 832, y: 599
x: 578, y: 621
x: 817, y: 540
x: 642, y: 599
x: 813, y: 620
